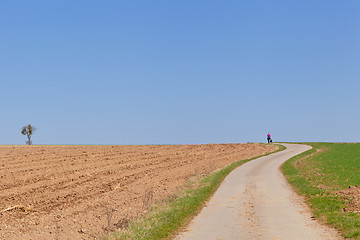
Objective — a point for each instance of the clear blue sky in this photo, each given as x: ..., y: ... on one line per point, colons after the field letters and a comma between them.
x: 179, y: 72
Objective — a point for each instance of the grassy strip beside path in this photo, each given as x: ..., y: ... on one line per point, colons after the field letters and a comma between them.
x: 320, y: 174
x: 164, y: 220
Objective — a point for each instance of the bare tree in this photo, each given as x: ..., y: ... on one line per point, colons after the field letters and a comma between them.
x: 28, y: 131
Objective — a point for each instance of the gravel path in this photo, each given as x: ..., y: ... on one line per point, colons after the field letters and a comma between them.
x: 255, y: 202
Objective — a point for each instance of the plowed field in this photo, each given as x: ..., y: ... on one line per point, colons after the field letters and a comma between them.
x: 79, y: 192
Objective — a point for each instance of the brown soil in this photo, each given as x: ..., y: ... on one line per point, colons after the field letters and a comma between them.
x: 352, y: 197
x: 80, y: 192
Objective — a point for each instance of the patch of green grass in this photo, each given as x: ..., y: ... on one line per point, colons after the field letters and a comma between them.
x: 322, y: 171
x: 164, y: 220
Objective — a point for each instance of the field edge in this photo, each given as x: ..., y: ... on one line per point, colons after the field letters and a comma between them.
x: 166, y: 219
x: 324, y: 204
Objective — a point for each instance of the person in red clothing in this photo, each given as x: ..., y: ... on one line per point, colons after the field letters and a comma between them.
x: 269, y: 138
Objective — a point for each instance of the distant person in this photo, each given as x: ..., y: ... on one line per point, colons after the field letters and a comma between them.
x: 269, y: 138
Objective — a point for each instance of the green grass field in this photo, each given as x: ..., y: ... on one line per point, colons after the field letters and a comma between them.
x: 319, y: 174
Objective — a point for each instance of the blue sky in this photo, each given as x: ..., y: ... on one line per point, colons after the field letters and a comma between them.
x: 179, y: 72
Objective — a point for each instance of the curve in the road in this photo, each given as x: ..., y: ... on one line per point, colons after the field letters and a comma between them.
x: 256, y: 202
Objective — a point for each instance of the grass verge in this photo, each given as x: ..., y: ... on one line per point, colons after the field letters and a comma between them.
x: 165, y: 219
x: 320, y: 174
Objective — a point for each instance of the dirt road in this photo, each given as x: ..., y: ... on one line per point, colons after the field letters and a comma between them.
x: 256, y: 202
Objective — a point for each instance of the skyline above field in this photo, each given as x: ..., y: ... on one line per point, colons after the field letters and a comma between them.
x: 165, y: 72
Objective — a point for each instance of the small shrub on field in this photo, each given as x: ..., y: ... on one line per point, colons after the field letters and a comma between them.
x: 28, y: 131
